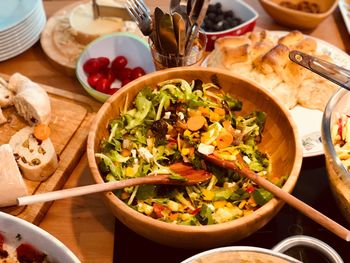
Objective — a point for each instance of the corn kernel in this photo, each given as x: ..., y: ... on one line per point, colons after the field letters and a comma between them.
x: 185, y: 216
x: 187, y: 133
x: 208, y: 195
x: 220, y: 204
x: 242, y: 204
x: 185, y: 151
x: 229, y: 205
x: 129, y: 171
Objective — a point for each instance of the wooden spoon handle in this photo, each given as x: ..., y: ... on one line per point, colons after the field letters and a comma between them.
x: 88, y: 189
x: 307, y: 210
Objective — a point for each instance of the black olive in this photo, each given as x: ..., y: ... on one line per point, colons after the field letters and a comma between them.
x: 228, y: 14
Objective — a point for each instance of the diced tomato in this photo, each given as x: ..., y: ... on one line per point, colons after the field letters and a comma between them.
x: 28, y: 253
x: 340, y: 127
x: 250, y: 189
x: 157, y: 209
x: 196, y: 211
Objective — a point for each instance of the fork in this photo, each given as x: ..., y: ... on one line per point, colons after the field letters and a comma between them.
x: 141, y: 15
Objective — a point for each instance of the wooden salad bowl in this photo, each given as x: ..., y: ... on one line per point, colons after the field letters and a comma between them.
x: 280, y: 141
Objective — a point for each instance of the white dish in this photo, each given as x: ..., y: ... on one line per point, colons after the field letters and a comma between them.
x: 345, y: 12
x: 20, y: 47
x: 24, y: 27
x: 15, y: 12
x: 309, y: 121
x: 12, y: 228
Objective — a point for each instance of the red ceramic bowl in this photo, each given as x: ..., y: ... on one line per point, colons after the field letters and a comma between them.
x: 241, y: 10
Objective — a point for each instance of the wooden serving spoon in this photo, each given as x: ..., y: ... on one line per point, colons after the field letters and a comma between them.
x: 191, y: 176
x: 307, y: 210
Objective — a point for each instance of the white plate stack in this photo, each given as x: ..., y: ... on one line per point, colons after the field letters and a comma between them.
x: 21, y: 23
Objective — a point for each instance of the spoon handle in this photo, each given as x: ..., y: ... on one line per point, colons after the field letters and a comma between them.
x: 88, y: 189
x: 307, y: 210
x: 330, y: 71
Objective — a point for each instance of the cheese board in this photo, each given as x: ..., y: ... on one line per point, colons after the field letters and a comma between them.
x: 72, y: 115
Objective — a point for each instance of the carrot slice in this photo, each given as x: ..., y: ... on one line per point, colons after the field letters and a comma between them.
x: 195, y: 123
x: 224, y: 140
x: 42, y: 132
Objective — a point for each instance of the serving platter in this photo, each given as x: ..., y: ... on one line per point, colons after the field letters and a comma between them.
x: 71, y: 118
x: 307, y: 120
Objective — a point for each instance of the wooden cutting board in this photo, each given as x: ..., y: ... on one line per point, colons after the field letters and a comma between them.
x: 71, y: 118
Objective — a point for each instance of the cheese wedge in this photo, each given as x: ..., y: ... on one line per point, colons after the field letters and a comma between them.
x: 36, y: 159
x: 12, y: 184
x: 85, y: 28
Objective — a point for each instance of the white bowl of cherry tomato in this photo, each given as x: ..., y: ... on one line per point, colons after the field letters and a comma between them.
x: 227, y: 18
x: 112, y: 61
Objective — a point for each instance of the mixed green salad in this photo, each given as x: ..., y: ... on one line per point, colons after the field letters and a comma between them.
x: 178, y: 121
x: 341, y: 139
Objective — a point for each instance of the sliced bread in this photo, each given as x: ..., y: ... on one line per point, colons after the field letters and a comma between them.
x: 31, y: 100
x: 5, y: 94
x: 12, y: 184
x: 36, y: 159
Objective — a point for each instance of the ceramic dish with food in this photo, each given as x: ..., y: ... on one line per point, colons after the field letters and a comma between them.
x: 239, y: 219
x: 335, y: 138
x: 299, y: 14
x: 274, y: 255
x: 263, y: 57
x: 111, y: 61
x: 227, y: 18
x: 26, y: 242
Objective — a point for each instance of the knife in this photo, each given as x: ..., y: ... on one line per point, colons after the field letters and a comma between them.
x: 109, y: 11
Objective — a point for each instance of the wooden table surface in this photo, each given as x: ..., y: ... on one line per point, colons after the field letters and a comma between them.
x: 84, y: 224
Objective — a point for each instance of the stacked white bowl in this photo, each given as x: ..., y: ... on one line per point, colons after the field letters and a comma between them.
x: 21, y: 23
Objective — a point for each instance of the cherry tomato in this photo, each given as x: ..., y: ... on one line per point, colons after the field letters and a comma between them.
x: 125, y: 81
x: 94, y: 78
x: 92, y: 65
x: 109, y: 74
x: 137, y: 72
x: 103, y: 85
x: 104, y: 62
x: 119, y: 63
x: 111, y: 91
x: 124, y: 74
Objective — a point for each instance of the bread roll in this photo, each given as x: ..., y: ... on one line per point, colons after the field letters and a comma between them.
x: 12, y: 184
x: 2, y: 117
x: 291, y: 39
x: 36, y: 159
x: 31, y: 100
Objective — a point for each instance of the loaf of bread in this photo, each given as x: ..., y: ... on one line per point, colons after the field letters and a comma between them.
x: 12, y: 184
x: 31, y: 101
x: 36, y: 159
x: 265, y: 59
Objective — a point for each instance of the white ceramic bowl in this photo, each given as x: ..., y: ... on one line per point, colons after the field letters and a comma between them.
x: 241, y: 10
x: 56, y: 251
x: 135, y: 49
